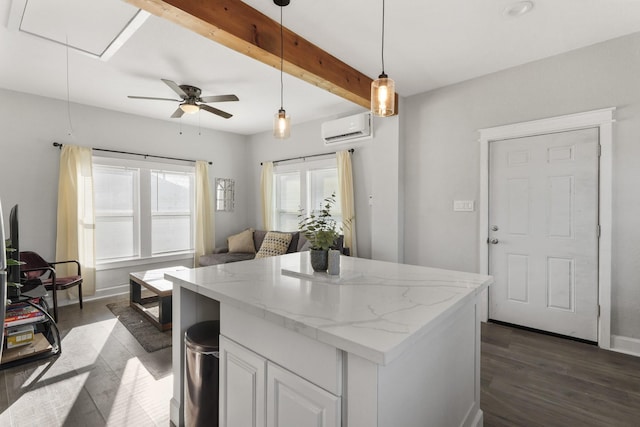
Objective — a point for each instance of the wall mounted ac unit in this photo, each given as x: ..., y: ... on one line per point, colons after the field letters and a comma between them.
x: 347, y: 129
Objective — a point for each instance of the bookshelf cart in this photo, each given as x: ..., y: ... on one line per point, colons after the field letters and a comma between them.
x: 46, y: 341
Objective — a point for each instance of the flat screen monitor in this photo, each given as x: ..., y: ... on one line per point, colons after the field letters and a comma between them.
x: 14, y: 231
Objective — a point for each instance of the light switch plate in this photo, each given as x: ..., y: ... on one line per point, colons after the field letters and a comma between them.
x: 464, y: 205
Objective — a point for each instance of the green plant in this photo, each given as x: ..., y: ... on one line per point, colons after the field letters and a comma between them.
x: 10, y: 261
x: 321, y: 230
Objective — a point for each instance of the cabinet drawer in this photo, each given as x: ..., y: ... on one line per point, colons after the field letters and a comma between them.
x: 319, y: 363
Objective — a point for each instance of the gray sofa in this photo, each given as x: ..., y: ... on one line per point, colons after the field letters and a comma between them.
x: 223, y: 256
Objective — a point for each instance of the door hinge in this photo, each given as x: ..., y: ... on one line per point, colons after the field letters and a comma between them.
x: 599, y: 150
x: 598, y: 230
x: 598, y: 310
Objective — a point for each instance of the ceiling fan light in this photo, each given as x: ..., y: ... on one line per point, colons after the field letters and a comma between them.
x: 189, y: 108
x: 281, y: 124
x: 383, y: 96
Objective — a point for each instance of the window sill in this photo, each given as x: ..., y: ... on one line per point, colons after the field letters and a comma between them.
x: 134, y: 262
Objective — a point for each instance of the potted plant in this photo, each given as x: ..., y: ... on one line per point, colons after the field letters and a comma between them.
x: 321, y: 230
x: 13, y: 289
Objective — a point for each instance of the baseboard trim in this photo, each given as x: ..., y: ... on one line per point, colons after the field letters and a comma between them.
x: 626, y: 345
x: 100, y: 294
x: 174, y: 412
x: 108, y: 292
x: 478, y: 421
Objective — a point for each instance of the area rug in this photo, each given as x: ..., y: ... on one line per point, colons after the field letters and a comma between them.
x: 149, y: 337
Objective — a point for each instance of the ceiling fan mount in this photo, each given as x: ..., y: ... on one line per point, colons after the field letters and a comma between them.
x: 191, y: 92
x: 191, y: 100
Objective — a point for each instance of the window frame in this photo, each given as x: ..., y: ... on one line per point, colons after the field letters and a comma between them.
x: 304, y: 170
x: 142, y: 210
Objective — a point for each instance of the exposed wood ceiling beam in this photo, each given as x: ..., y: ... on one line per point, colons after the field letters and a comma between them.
x: 238, y: 26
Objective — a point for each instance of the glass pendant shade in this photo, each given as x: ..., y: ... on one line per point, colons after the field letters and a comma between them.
x: 383, y: 96
x: 281, y: 124
x: 189, y: 108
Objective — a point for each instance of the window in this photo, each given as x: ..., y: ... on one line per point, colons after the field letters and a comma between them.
x: 171, y: 211
x: 304, y: 185
x: 142, y: 209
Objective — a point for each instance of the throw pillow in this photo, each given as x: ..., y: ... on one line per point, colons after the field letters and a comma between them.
x: 274, y: 243
x: 306, y: 246
x: 242, y: 242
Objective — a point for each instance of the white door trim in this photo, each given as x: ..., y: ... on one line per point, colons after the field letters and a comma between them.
x: 603, y: 120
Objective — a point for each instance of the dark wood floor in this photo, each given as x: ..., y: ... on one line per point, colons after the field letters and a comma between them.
x: 531, y: 379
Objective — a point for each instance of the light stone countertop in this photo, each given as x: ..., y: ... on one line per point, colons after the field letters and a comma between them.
x: 375, y: 309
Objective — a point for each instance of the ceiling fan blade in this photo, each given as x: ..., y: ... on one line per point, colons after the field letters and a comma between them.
x: 177, y: 114
x: 219, y: 98
x: 215, y: 111
x: 177, y: 89
x: 155, y: 99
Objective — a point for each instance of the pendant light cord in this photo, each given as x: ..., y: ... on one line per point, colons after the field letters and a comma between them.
x: 382, y: 36
x: 281, y: 62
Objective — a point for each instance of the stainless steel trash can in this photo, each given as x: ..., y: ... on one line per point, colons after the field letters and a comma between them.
x: 201, y: 374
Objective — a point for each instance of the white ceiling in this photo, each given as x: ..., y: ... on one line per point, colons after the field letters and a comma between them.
x: 429, y: 44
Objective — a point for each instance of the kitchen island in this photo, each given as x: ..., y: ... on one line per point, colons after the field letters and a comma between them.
x: 383, y: 344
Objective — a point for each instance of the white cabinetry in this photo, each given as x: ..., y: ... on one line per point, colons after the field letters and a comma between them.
x: 397, y: 346
x: 295, y: 402
x: 242, y: 386
x: 291, y: 400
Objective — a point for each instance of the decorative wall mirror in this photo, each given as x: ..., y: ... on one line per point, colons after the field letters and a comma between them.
x: 225, y: 194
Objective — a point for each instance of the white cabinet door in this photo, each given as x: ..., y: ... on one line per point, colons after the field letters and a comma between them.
x: 295, y: 402
x: 242, y: 386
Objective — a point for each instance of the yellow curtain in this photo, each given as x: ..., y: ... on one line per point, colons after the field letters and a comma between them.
x: 75, y: 238
x: 205, y: 233
x: 345, y: 186
x: 266, y: 183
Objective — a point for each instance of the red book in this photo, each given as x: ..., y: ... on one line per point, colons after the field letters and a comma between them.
x: 22, y: 314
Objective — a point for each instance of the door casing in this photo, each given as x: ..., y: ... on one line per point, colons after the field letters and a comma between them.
x: 601, y: 119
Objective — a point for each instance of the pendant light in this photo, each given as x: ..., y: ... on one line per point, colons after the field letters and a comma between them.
x: 281, y: 121
x: 383, y: 92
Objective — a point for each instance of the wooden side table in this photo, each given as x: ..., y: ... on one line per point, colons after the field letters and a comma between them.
x: 153, y: 280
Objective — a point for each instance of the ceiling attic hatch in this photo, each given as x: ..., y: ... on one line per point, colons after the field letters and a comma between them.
x: 97, y: 28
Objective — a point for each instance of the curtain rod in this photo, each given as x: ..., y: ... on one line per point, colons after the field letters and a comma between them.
x: 59, y: 145
x: 351, y: 150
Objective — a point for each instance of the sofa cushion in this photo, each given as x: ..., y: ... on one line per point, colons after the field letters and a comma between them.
x: 223, y: 258
x: 242, y: 242
x: 274, y: 243
x: 258, y: 237
x: 293, y: 246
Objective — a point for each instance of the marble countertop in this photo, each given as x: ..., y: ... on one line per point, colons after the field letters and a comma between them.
x: 375, y: 309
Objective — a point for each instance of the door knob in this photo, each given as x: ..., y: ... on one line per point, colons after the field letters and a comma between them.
x: 493, y: 241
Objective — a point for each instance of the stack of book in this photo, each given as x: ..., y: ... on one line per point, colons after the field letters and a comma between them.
x: 21, y: 314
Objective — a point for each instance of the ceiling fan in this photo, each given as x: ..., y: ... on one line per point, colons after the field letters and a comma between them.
x: 191, y: 101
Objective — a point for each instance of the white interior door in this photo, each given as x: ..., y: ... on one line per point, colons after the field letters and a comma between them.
x: 543, y: 232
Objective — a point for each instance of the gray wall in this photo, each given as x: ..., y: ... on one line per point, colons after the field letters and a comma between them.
x: 376, y: 174
x: 441, y: 155
x: 29, y: 163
